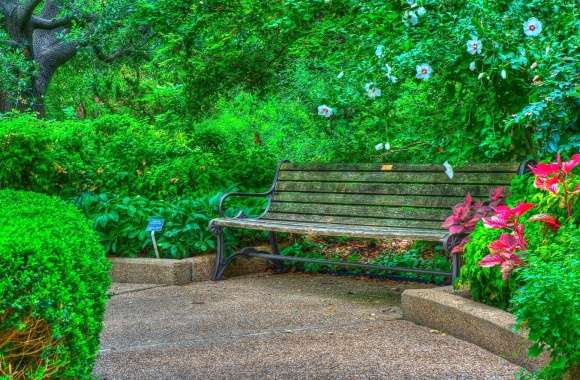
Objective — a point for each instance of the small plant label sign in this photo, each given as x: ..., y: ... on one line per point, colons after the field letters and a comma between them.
x: 155, y: 225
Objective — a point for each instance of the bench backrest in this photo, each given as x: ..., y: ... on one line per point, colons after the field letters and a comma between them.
x: 387, y: 195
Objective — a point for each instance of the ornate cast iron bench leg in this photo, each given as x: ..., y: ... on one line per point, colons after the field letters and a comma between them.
x: 220, y: 264
x: 278, y: 265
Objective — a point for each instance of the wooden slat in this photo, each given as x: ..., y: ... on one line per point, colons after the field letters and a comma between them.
x: 385, y: 188
x: 368, y: 211
x: 397, y: 177
x: 474, y: 168
x: 368, y: 199
x: 354, y: 221
x: 331, y: 230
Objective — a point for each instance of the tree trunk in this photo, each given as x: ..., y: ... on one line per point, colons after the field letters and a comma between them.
x: 40, y: 40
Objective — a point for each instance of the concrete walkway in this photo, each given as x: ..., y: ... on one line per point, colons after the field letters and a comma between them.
x: 291, y: 326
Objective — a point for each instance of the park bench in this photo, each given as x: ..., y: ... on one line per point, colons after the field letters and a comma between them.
x: 381, y: 201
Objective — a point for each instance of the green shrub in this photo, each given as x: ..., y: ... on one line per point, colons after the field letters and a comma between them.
x: 53, y: 283
x: 548, y: 303
x: 117, y: 154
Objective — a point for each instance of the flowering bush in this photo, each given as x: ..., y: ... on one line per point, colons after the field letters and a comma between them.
x: 551, y: 177
x: 538, y: 262
x: 516, y: 236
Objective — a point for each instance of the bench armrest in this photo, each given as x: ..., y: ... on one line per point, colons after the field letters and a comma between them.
x: 238, y: 194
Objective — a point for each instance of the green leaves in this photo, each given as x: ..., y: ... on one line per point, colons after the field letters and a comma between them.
x: 52, y: 270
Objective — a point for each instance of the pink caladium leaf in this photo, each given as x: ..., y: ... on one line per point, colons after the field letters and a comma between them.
x: 496, y: 222
x: 522, y: 208
x: 506, y: 260
x: 491, y: 261
x: 460, y: 248
x: 506, y: 217
x: 550, y: 222
x: 545, y: 170
x: 551, y: 184
x: 568, y: 166
x: 511, y: 261
x: 497, y: 194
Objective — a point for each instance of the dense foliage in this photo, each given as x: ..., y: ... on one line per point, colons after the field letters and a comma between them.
x: 531, y: 263
x: 162, y: 105
x: 53, y: 283
x: 548, y: 303
x: 514, y: 94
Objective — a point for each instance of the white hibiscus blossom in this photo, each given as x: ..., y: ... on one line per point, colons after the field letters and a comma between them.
x: 372, y: 90
x: 386, y: 146
x: 472, y: 66
x: 410, y: 18
x: 503, y: 74
x: 326, y: 111
x: 532, y: 27
x: 389, y: 75
x: 474, y: 46
x: 379, y: 51
x: 424, y: 71
x: 421, y: 11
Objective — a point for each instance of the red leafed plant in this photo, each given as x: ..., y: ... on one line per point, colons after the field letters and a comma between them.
x: 552, y: 177
x: 503, y: 251
x: 466, y: 215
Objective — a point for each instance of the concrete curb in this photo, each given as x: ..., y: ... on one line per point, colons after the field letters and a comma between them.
x: 485, y: 326
x: 150, y: 271
x: 178, y: 272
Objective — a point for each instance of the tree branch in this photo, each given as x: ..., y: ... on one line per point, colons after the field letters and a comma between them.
x: 12, y: 43
x: 111, y: 57
x: 42, y: 23
x: 27, y: 9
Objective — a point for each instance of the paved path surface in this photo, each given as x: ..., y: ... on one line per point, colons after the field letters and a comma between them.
x: 291, y: 326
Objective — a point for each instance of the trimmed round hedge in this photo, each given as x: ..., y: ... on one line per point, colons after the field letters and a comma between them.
x: 54, y: 276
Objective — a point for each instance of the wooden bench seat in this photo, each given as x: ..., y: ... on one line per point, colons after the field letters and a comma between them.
x: 324, y: 229
x: 381, y: 201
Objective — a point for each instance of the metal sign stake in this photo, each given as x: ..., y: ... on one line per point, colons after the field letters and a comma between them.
x: 154, y: 244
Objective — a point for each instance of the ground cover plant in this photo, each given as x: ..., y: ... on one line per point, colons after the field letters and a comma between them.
x: 53, y: 282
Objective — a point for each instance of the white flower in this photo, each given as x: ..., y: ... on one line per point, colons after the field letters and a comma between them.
x: 388, y: 74
x: 448, y: 169
x: 372, y: 90
x: 474, y: 46
x: 480, y: 76
x: 411, y: 18
x: 503, y: 74
x: 534, y: 65
x: 421, y: 11
x: 424, y: 71
x: 379, y: 51
x: 326, y: 111
x: 340, y: 75
x: 386, y: 146
x: 412, y: 3
x: 472, y: 66
x: 532, y: 27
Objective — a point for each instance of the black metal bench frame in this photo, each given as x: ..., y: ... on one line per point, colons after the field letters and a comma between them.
x: 222, y: 261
